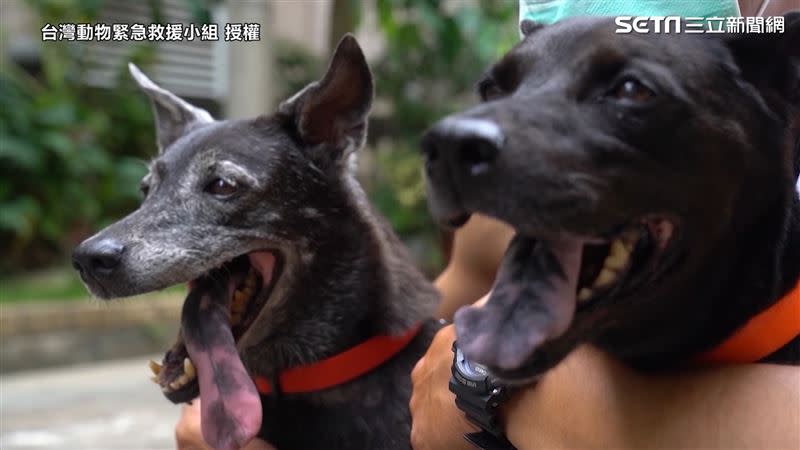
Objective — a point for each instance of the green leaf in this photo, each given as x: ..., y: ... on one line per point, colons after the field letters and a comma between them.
x: 58, y: 143
x: 19, y: 216
x: 61, y: 113
x: 20, y: 153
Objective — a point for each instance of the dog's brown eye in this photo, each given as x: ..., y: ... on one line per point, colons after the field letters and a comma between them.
x: 221, y: 187
x: 632, y: 90
x: 488, y: 90
x: 491, y: 92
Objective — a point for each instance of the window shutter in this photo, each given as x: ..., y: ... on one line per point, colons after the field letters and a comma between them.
x: 187, y: 68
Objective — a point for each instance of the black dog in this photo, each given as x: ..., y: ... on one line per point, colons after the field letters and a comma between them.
x: 651, y: 182
x: 289, y: 266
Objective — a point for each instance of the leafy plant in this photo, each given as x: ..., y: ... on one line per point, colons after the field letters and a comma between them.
x: 71, y: 156
x: 68, y: 161
x: 435, y: 52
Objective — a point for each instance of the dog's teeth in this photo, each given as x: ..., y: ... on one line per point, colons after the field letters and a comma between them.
x: 154, y: 367
x: 584, y: 294
x: 629, y: 239
x: 188, y: 367
x: 239, y: 297
x: 183, y: 379
x: 616, y: 262
x: 605, y: 278
x: 618, y: 256
x: 250, y: 281
x: 239, y: 302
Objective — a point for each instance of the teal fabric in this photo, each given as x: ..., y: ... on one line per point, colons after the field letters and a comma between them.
x: 550, y: 11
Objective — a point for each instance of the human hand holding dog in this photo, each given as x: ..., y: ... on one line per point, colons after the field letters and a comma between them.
x: 436, y: 422
x: 529, y: 416
x: 590, y: 400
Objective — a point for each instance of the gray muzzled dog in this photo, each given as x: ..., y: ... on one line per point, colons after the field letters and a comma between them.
x: 288, y: 265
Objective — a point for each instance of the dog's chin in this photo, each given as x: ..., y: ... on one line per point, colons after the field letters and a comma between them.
x: 97, y: 290
x: 123, y: 285
x: 116, y: 288
x: 250, y: 279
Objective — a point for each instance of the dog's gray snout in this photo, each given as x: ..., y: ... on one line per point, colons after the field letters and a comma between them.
x: 469, y: 143
x: 98, y: 257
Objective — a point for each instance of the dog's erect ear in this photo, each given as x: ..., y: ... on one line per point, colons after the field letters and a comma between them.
x: 333, y: 111
x: 771, y: 61
x: 528, y: 26
x: 173, y: 115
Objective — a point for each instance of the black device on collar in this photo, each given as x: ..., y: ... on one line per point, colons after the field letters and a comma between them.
x: 479, y: 395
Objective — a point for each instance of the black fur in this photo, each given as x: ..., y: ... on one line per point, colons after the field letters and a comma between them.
x: 706, y: 136
x: 342, y: 274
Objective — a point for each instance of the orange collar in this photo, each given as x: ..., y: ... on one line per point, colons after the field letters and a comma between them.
x: 762, y: 335
x: 341, y: 368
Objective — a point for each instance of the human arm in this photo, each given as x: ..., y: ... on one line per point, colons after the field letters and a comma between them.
x: 591, y: 401
x: 478, y: 247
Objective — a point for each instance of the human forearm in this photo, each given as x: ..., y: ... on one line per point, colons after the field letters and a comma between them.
x: 746, y: 406
x: 478, y: 248
x: 591, y: 401
x: 458, y: 289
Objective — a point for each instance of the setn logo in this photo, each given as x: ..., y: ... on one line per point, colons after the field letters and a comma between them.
x: 647, y: 24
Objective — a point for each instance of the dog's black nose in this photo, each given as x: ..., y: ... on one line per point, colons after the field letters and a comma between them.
x: 97, y: 257
x: 471, y: 144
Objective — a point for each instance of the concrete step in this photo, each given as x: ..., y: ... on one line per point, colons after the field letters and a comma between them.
x: 108, y: 405
x: 50, y: 334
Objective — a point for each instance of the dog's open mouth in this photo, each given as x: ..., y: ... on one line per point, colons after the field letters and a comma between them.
x: 607, y: 265
x: 542, y: 283
x: 220, y: 307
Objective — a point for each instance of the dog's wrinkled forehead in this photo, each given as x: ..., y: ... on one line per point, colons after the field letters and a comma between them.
x: 588, y: 48
x: 235, y: 145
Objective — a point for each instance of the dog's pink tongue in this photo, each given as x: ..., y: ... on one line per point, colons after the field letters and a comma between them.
x: 231, y: 407
x: 532, y: 301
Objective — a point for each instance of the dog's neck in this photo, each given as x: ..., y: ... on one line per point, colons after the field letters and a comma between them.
x: 762, y: 258
x: 359, y: 283
x: 765, y: 265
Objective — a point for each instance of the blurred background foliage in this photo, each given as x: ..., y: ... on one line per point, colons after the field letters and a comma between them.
x: 71, y: 156
x: 435, y: 52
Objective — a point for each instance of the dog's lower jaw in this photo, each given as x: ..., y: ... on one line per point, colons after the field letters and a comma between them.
x: 265, y: 321
x: 679, y: 303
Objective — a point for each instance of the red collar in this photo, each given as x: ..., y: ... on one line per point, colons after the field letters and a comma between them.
x: 341, y: 368
x: 762, y: 335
